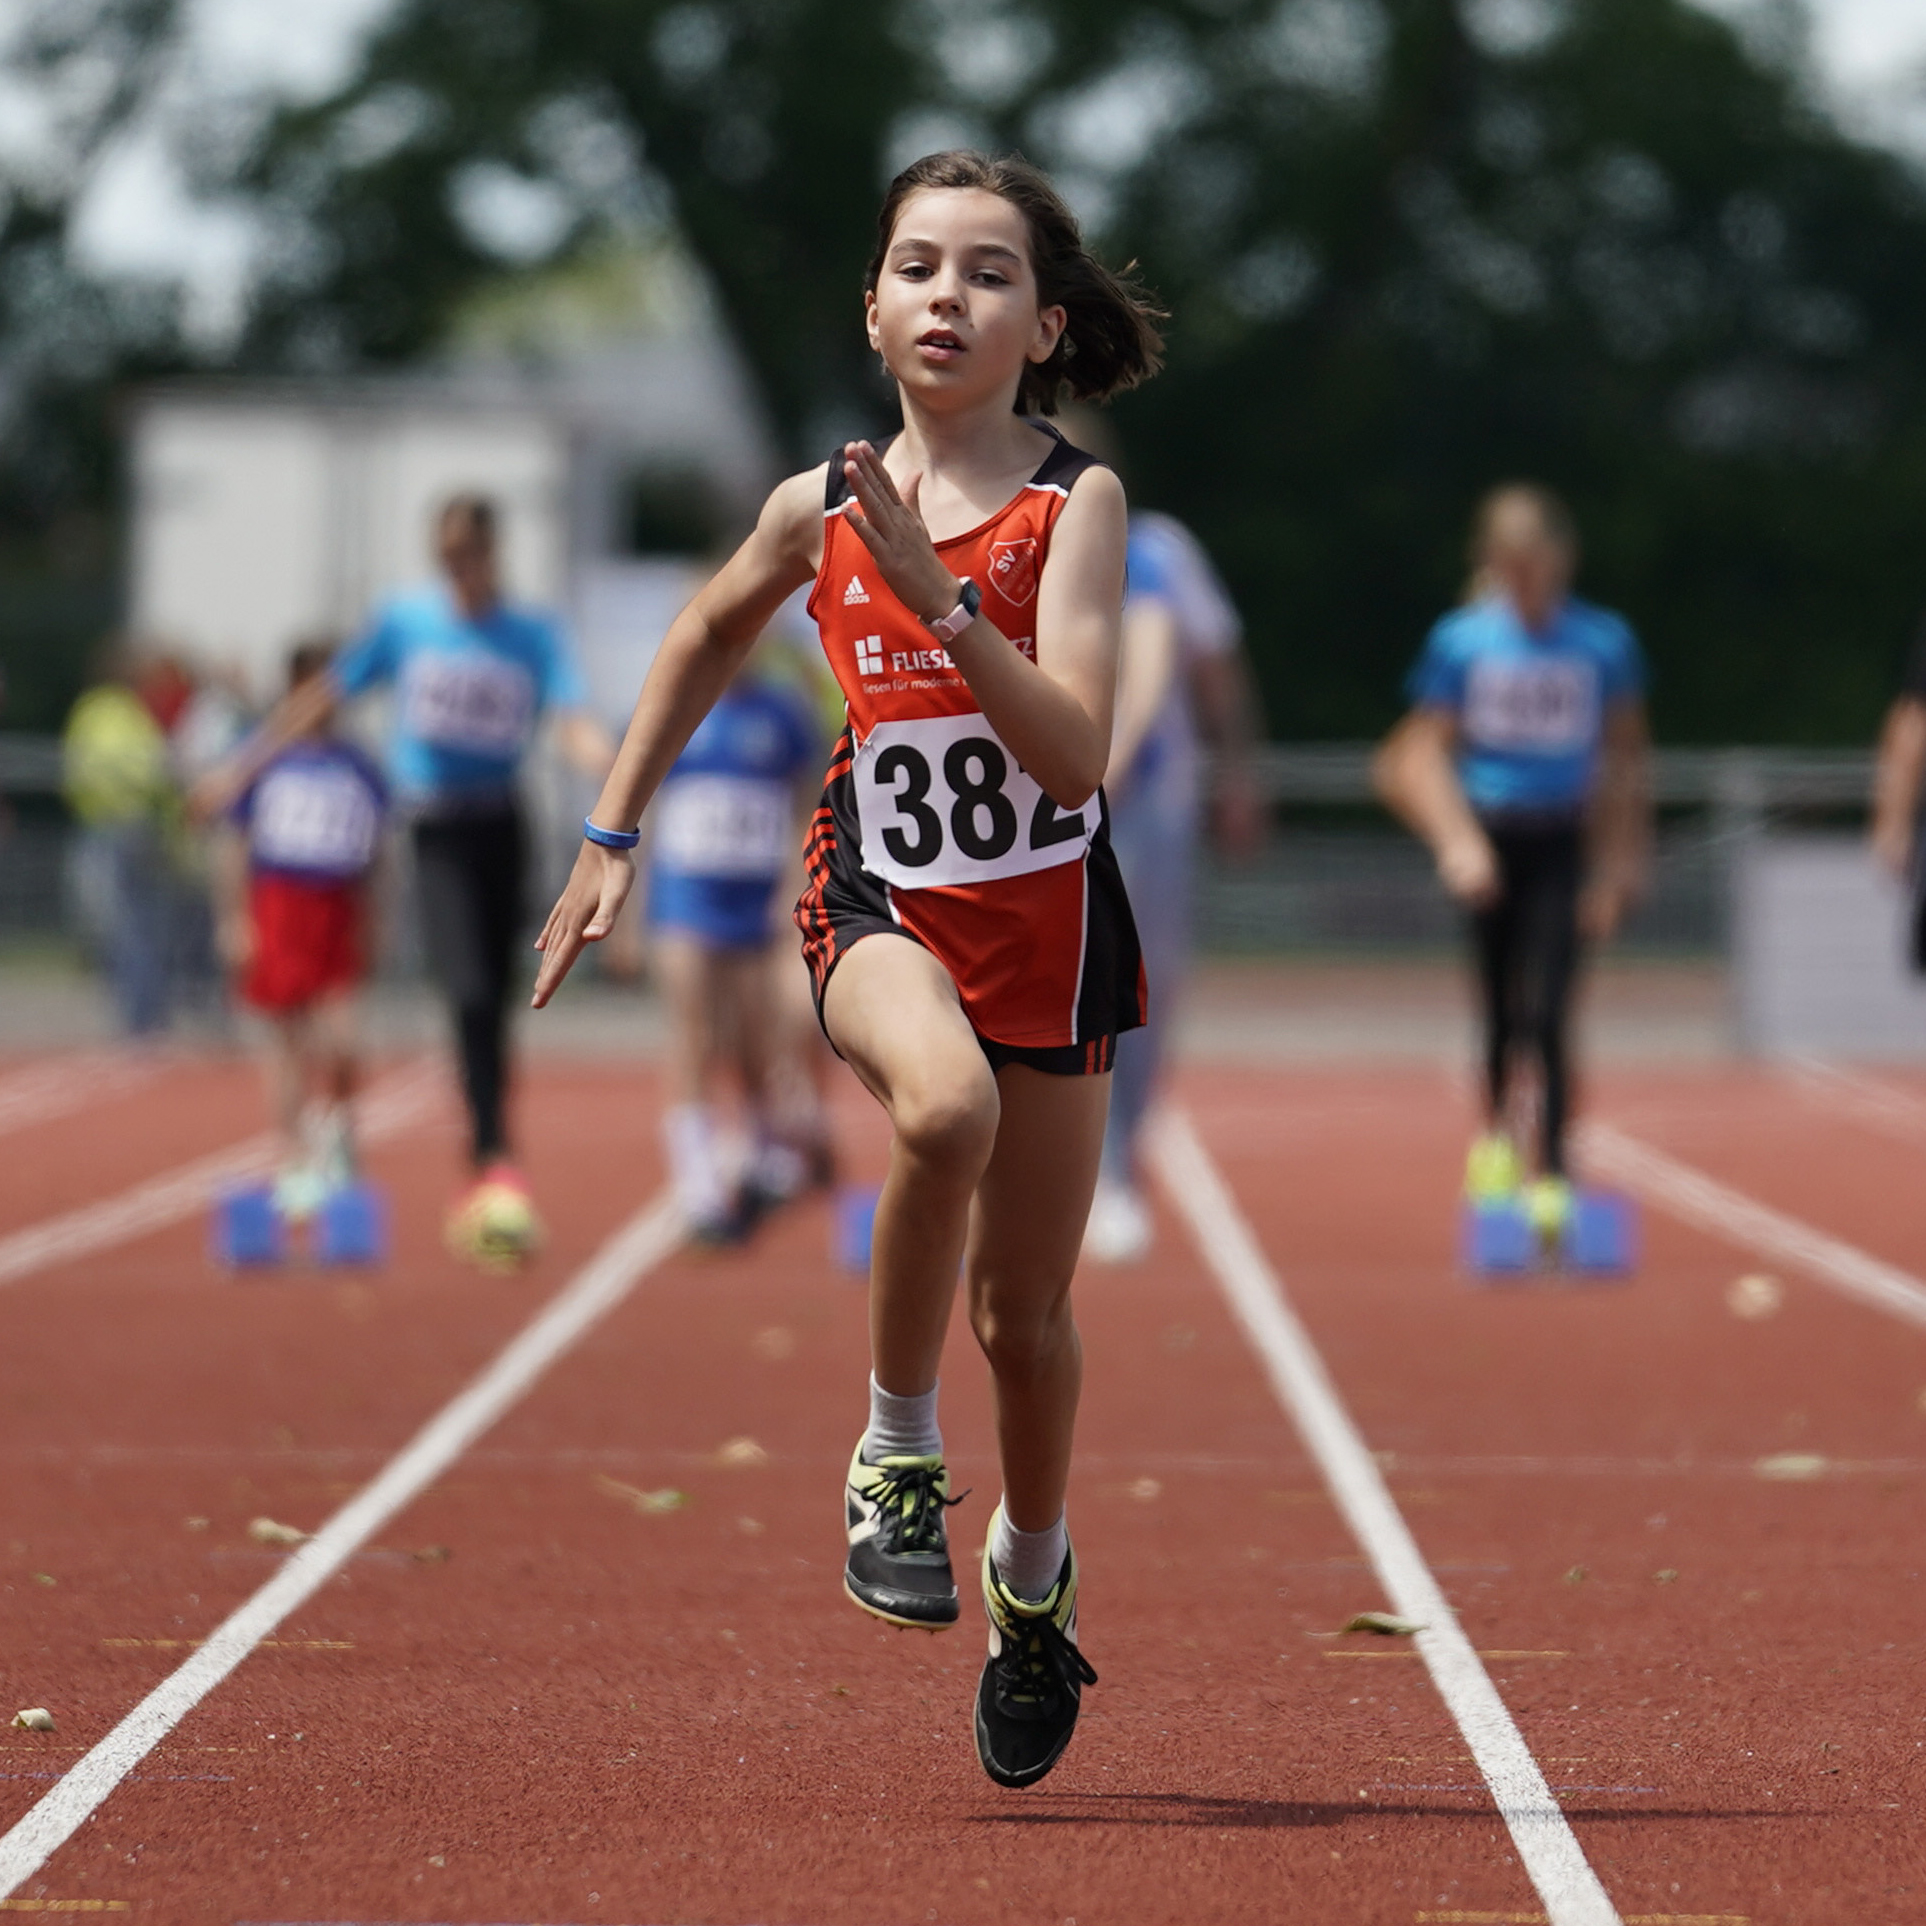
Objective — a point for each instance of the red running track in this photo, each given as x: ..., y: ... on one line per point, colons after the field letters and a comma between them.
x: 584, y: 1711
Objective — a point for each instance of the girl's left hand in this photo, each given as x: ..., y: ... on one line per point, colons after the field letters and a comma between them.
x: 892, y: 529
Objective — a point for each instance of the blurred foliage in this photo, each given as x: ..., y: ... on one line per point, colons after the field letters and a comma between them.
x: 1413, y: 247
x: 66, y: 341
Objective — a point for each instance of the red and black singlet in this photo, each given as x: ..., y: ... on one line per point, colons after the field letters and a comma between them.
x: 929, y: 825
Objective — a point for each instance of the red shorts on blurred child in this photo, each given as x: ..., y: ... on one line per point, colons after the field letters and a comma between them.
x: 308, y: 940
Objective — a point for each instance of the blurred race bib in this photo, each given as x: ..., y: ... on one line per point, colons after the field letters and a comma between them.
x: 733, y: 826
x: 1550, y: 708
x: 464, y: 700
x: 325, y: 820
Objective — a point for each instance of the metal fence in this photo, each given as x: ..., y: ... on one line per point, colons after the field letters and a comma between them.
x: 1336, y: 875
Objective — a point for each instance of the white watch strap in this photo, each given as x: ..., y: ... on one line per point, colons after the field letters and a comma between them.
x: 949, y: 627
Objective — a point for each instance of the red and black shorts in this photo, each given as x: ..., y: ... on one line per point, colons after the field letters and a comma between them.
x: 843, y: 903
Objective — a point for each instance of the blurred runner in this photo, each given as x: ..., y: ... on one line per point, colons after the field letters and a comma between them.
x: 1524, y: 765
x: 473, y: 675
x: 1899, y: 788
x: 1183, y: 684
x: 723, y: 826
x: 119, y: 782
x: 293, y: 868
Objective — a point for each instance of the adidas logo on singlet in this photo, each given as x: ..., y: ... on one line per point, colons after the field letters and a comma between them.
x: 855, y: 593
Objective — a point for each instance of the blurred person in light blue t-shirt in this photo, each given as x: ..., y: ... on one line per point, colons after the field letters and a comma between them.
x: 1523, y: 764
x: 1182, y: 689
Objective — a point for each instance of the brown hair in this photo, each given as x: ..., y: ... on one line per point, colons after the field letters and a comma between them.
x: 474, y: 513
x: 306, y: 660
x: 1110, y: 339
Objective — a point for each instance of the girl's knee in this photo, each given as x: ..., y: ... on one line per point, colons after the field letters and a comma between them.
x: 949, y: 1116
x: 1018, y: 1339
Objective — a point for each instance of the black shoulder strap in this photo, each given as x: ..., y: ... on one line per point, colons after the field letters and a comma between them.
x: 1065, y: 462
x: 836, y: 485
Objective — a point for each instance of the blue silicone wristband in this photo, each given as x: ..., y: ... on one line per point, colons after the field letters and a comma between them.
x: 610, y: 838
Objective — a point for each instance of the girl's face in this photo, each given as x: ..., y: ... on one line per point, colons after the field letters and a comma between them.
x: 954, y: 313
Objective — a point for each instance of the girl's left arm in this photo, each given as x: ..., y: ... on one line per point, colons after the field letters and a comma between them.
x: 1054, y: 713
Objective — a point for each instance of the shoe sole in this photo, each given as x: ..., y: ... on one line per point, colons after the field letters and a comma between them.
x: 896, y: 1618
x: 1013, y: 1781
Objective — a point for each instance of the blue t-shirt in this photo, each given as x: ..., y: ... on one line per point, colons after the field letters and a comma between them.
x: 314, y: 812
x: 722, y: 823
x: 469, y: 690
x: 1530, y: 708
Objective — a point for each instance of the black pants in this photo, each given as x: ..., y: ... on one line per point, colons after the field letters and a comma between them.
x: 1526, y: 946
x: 470, y: 874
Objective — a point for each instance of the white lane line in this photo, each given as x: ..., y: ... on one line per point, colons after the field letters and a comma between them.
x: 1553, y: 1859
x: 58, y: 1086
x: 1866, y: 1100
x: 390, y: 1107
x: 1708, y: 1205
x: 595, y: 1290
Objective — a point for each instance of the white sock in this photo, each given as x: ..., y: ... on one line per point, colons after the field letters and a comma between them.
x: 689, y: 1133
x: 901, y: 1427
x: 1028, y: 1561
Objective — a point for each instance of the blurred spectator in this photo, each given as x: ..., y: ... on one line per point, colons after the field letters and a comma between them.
x: 120, y: 784
x: 1183, y: 686
x: 1898, y: 779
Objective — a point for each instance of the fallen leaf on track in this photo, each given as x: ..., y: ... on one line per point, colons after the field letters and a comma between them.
x: 742, y: 1454
x: 1790, y: 1467
x: 1755, y: 1296
x: 1577, y: 1575
x: 648, y: 1503
x: 1385, y: 1624
x: 1145, y: 1489
x: 197, y: 1524
x: 1667, y: 1577
x: 269, y: 1531
x: 433, y: 1555
x: 36, y: 1718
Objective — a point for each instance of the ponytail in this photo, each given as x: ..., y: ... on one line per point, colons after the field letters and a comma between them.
x: 1110, y: 340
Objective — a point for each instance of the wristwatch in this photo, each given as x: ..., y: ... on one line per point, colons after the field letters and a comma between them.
x: 947, y: 628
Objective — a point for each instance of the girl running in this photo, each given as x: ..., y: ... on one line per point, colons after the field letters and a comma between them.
x: 972, y: 950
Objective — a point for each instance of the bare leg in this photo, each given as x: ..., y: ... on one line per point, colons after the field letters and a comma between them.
x: 1024, y: 1237
x: 892, y: 1011
x: 284, y: 1064
x: 684, y: 970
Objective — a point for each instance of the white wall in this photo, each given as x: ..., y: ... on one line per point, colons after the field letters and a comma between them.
x: 260, y: 519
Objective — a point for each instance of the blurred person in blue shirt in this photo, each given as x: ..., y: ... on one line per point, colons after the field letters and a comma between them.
x: 1182, y: 688
x: 1523, y: 763
x: 473, y: 674
x: 723, y: 838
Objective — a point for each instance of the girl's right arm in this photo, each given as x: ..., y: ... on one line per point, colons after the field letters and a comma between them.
x: 700, y: 655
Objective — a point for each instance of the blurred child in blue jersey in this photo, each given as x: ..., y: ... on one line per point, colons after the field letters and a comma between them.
x: 473, y: 675
x: 1523, y: 763
x: 1182, y: 688
x: 293, y: 868
x: 723, y: 832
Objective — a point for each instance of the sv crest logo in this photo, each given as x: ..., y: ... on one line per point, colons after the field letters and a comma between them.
x: 1013, y: 570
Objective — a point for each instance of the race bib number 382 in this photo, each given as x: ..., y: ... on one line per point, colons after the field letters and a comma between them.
x: 943, y: 802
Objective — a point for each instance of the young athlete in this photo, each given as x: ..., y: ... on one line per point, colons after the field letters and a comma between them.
x: 972, y: 948
x: 1899, y: 787
x: 293, y: 868
x: 722, y: 834
x: 472, y: 674
x: 1523, y: 763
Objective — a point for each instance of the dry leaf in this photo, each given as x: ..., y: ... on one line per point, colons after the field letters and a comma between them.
x: 1385, y: 1624
x: 36, y: 1718
x: 267, y: 1531
x: 197, y: 1524
x: 742, y: 1454
x: 433, y: 1555
x: 646, y: 1502
x: 749, y: 1527
x: 1667, y: 1577
x: 1755, y: 1296
x: 1145, y: 1489
x: 1577, y: 1575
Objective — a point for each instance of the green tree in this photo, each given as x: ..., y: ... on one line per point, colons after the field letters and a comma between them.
x: 1412, y: 246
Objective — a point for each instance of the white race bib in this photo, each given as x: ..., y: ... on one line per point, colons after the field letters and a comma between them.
x: 1547, y: 707
x: 709, y: 825
x: 315, y: 819
x: 942, y: 802
x: 467, y: 701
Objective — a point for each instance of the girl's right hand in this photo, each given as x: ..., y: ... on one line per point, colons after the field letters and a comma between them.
x: 584, y: 913
x: 1468, y: 868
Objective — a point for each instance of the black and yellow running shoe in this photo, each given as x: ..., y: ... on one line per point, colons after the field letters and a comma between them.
x: 899, y: 1551
x: 1031, y: 1690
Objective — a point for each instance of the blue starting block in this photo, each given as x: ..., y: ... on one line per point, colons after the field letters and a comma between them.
x: 1600, y: 1239
x: 855, y: 1226
x: 351, y: 1227
x: 248, y: 1230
